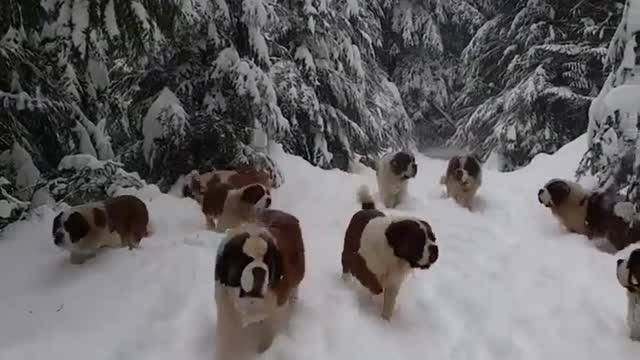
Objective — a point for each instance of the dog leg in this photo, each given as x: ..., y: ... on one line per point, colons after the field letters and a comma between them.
x: 390, y: 295
x: 269, y: 331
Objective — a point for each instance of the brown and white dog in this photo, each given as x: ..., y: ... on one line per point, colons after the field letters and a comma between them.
x: 462, y: 179
x: 259, y: 268
x: 225, y: 207
x: 393, y: 173
x: 83, y: 230
x: 381, y: 251
x: 568, y: 203
x: 196, y: 184
x: 628, y: 274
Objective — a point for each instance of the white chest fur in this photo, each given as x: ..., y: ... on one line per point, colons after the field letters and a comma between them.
x: 633, y: 315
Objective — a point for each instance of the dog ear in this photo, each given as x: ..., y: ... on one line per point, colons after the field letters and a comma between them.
x: 559, y: 191
x: 403, y: 237
x: 252, y: 194
x: 99, y: 217
x: 228, y: 268
x: 430, y: 233
x: 77, y: 226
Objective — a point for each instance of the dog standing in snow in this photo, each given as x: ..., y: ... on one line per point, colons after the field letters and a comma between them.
x: 85, y: 229
x: 226, y: 207
x: 628, y: 274
x: 463, y: 179
x: 259, y: 266
x: 381, y: 251
x: 393, y: 173
x: 196, y: 184
x: 568, y: 203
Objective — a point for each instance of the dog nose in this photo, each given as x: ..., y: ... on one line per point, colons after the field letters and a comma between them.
x: 540, y: 192
x: 268, y: 202
x: 620, y: 261
x: 433, y: 253
x: 57, y: 239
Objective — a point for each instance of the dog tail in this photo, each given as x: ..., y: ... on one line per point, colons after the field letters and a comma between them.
x: 365, y: 199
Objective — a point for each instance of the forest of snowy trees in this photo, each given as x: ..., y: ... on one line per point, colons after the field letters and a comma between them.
x: 96, y: 93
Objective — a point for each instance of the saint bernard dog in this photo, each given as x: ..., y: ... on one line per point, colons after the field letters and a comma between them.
x: 462, y: 179
x: 259, y: 267
x: 612, y: 217
x: 568, y: 202
x: 381, y: 251
x: 628, y: 274
x: 393, y: 173
x: 84, y: 229
x: 196, y: 184
x: 225, y: 206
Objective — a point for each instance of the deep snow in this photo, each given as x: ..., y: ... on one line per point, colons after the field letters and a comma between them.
x: 509, y: 284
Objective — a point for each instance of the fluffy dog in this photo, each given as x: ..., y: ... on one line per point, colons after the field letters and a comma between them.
x: 610, y: 216
x: 83, y: 230
x: 628, y: 274
x: 196, y: 184
x: 393, y: 173
x: 568, y: 203
x: 259, y: 268
x: 226, y: 207
x: 380, y: 251
x: 463, y: 179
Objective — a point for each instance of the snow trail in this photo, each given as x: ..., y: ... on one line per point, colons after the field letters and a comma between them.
x: 509, y: 283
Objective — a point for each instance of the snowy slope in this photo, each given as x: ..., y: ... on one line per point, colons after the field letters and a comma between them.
x: 509, y: 284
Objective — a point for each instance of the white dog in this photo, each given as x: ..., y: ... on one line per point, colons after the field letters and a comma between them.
x: 393, y: 173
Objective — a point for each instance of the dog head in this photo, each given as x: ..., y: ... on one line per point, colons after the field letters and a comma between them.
x: 72, y: 226
x: 413, y: 241
x: 249, y: 266
x: 628, y: 272
x: 466, y: 170
x: 221, y: 200
x: 555, y: 192
x: 403, y: 164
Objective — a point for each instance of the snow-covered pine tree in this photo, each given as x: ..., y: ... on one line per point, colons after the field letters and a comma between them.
x: 531, y: 72
x: 612, y: 161
x: 422, y: 45
x: 331, y: 86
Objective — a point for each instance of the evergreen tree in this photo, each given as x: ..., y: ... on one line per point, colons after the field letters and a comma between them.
x: 531, y: 72
x: 611, y: 161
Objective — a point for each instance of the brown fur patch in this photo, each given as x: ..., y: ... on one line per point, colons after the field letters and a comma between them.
x: 214, y: 198
x: 128, y: 215
x: 77, y: 226
x: 352, y: 261
x: 99, y: 217
x: 602, y: 221
x: 252, y: 194
x: 287, y: 234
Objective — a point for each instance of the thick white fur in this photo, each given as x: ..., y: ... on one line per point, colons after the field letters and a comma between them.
x: 94, y: 240
x: 633, y: 300
x: 573, y: 212
x: 241, y: 335
x: 393, y: 188
x: 390, y: 270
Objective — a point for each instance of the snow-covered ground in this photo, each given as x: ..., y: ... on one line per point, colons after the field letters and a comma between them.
x: 509, y: 284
